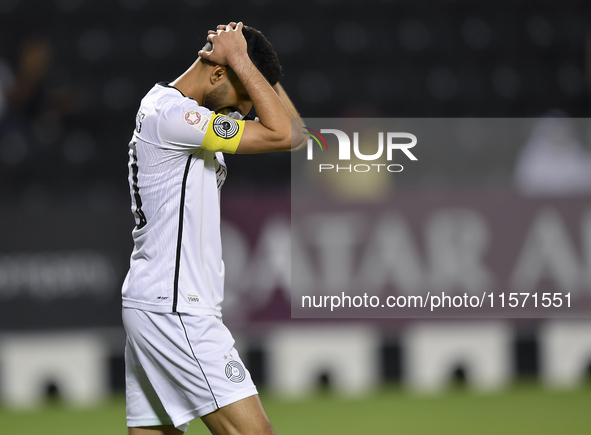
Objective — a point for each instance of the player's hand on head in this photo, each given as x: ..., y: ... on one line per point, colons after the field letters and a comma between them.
x: 227, y: 42
x: 232, y: 24
x: 221, y: 27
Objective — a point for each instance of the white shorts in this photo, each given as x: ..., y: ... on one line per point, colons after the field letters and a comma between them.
x: 179, y: 367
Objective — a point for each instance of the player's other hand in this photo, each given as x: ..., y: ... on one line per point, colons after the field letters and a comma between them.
x: 228, y: 42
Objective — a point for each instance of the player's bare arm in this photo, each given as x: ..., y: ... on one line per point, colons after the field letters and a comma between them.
x: 274, y: 132
x: 278, y: 88
x: 297, y: 123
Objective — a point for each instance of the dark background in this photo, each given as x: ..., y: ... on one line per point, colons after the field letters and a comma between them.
x: 68, y: 140
x: 64, y: 137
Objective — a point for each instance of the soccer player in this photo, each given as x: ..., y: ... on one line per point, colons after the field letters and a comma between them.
x: 180, y: 358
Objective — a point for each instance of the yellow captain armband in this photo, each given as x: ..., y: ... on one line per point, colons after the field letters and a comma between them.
x: 223, y: 134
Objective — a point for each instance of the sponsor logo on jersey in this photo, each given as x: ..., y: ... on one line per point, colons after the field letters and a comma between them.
x: 198, y: 121
x: 235, y: 372
x: 193, y: 298
x: 225, y: 127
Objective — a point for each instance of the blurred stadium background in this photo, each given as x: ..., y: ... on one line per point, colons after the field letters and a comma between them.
x: 72, y: 73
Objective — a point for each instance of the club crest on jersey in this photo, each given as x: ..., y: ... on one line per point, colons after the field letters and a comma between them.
x: 225, y: 127
x: 235, y: 372
x: 197, y: 120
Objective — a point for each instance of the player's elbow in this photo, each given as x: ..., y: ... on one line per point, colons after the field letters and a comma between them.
x: 289, y: 137
x: 281, y: 140
x: 297, y: 138
x: 290, y: 140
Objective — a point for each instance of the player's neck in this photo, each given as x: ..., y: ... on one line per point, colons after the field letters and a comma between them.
x: 192, y: 82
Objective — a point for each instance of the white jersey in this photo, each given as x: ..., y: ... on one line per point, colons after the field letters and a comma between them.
x: 176, y: 171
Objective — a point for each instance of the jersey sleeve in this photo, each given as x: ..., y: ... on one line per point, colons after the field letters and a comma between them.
x: 189, y: 126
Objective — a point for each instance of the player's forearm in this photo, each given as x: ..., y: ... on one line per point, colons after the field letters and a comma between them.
x: 288, y: 104
x: 272, y: 112
x: 286, y: 100
x: 297, y: 123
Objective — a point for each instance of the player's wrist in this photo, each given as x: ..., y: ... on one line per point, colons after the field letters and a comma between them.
x: 238, y: 58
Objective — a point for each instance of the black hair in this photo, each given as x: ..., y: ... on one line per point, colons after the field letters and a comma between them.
x: 261, y: 53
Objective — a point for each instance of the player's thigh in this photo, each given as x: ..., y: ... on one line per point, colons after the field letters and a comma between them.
x: 154, y: 430
x: 244, y: 417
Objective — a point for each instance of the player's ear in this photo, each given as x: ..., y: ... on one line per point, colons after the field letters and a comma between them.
x: 218, y: 73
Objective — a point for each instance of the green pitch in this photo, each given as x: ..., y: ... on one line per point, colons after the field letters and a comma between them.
x: 522, y: 410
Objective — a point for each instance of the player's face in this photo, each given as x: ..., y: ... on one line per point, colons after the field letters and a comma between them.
x: 230, y: 96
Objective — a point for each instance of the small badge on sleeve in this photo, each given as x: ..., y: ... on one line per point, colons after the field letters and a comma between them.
x: 225, y: 127
x: 235, y: 372
x: 197, y: 120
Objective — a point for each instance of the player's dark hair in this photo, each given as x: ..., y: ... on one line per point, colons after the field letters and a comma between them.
x: 261, y: 53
